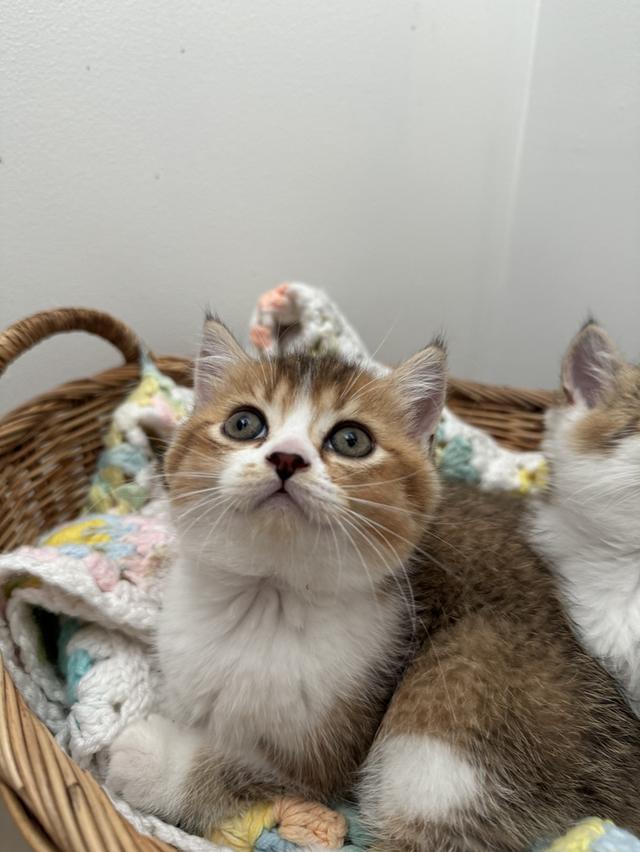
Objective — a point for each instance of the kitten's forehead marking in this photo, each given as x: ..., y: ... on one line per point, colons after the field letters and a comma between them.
x: 305, y: 399
x: 285, y: 398
x: 318, y: 397
x: 295, y: 423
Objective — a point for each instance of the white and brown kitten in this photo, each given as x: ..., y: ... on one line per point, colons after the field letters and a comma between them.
x: 589, y: 526
x: 299, y: 488
x: 458, y: 706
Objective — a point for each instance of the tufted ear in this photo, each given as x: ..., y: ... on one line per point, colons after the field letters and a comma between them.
x: 590, y: 366
x: 422, y: 383
x: 219, y: 351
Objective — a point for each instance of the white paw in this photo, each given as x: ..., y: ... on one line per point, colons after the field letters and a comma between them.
x: 139, y: 760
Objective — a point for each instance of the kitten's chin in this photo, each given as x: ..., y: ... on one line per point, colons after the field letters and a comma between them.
x: 285, y: 506
x: 280, y: 502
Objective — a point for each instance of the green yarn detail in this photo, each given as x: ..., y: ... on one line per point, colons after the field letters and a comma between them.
x: 132, y: 494
x: 74, y: 666
x: 130, y: 460
x: 78, y: 664
x: 357, y: 836
x: 68, y: 628
x: 455, y: 461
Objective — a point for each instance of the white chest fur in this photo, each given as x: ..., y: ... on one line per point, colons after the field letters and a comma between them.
x: 250, y: 659
x: 601, y: 590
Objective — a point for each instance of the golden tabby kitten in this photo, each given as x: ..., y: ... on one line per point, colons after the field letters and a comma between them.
x: 319, y: 576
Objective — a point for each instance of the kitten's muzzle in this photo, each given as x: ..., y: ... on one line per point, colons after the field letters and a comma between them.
x: 286, y: 464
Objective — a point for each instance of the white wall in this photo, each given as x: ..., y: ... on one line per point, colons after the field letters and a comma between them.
x: 575, y: 230
x: 433, y: 163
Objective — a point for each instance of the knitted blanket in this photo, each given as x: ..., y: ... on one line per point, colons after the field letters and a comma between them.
x: 78, y: 610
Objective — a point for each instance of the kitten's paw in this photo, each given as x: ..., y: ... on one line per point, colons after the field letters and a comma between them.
x: 139, y: 764
x: 135, y: 761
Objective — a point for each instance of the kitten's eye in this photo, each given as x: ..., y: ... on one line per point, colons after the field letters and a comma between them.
x: 351, y: 440
x: 245, y: 425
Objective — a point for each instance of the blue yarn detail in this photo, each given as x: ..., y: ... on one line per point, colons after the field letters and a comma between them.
x: 616, y: 840
x: 68, y: 628
x: 78, y: 664
x: 78, y: 551
x: 270, y: 841
x: 455, y: 461
x: 127, y: 458
x: 356, y: 833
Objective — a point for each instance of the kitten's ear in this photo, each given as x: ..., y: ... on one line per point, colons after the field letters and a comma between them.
x: 219, y: 351
x: 590, y: 366
x: 422, y: 382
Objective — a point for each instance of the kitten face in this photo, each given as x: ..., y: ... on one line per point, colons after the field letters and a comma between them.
x: 593, y: 442
x: 292, y: 463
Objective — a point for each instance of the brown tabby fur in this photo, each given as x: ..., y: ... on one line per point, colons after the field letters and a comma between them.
x: 501, y: 677
x: 497, y: 674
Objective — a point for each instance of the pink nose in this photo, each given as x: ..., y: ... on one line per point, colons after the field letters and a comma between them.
x: 286, y: 464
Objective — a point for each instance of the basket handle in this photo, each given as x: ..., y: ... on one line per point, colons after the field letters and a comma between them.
x: 26, y: 333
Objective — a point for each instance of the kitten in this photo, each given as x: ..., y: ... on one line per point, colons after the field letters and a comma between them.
x: 299, y: 659
x: 589, y: 527
x: 286, y: 619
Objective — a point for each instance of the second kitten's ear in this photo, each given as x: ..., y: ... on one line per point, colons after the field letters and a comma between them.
x: 219, y: 351
x: 422, y: 382
x: 590, y: 366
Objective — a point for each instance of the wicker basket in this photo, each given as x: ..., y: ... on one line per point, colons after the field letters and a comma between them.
x: 48, y: 449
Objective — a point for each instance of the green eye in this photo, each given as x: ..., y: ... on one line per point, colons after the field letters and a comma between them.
x: 351, y: 440
x: 245, y: 425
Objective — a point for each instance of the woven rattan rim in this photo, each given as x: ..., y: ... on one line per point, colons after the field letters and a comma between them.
x: 26, y: 333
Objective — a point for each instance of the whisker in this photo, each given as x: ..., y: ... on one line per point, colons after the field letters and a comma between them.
x: 214, y: 527
x: 364, y: 564
x: 337, y: 549
x: 415, y: 548
x: 386, y: 336
x: 410, y: 601
x: 378, y: 482
x: 388, y: 506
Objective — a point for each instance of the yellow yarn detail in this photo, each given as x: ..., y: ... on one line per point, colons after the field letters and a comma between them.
x: 113, y: 437
x: 97, y: 499
x: 242, y: 832
x: 145, y: 391
x: 299, y: 821
x: 579, y: 839
x: 112, y: 475
x: 536, y: 478
x: 84, y: 532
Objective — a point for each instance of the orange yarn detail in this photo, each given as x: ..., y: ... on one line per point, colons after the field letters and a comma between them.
x: 305, y: 822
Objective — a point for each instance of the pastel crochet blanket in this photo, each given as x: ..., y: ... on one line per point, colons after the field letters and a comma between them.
x: 78, y: 609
